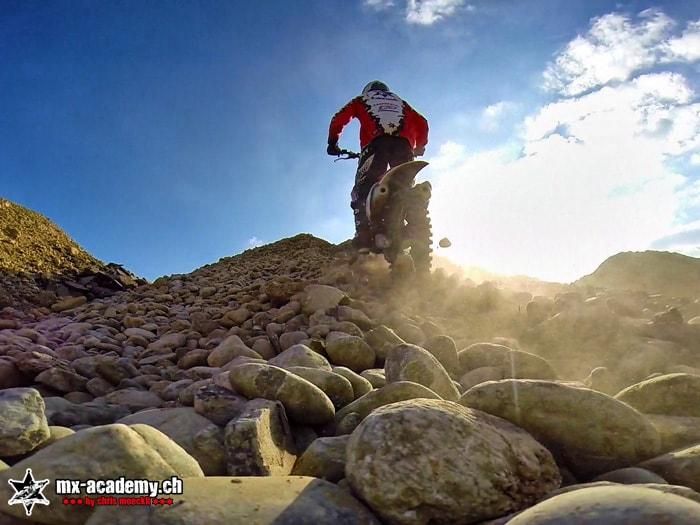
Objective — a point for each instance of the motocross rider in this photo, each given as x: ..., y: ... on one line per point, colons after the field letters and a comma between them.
x: 391, y: 133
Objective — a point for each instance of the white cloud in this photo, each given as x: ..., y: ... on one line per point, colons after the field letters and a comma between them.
x: 685, y: 48
x: 423, y: 12
x: 591, y: 180
x: 254, y: 242
x: 616, y: 47
x: 427, y: 12
x: 492, y: 116
x: 379, y: 5
x: 655, y: 104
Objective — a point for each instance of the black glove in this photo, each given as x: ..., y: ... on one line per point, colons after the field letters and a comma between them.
x: 334, y: 150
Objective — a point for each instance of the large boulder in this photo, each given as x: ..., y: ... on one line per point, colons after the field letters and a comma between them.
x: 303, y: 402
x: 259, y: 441
x: 277, y: 500
x: 189, y: 430
x: 105, y: 452
x: 669, y: 394
x: 613, y: 505
x: 408, y: 362
x: 589, y: 431
x: 434, y: 461
x: 680, y: 467
x: 23, y: 424
x: 514, y: 364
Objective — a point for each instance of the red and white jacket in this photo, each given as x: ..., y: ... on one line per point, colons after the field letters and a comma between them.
x: 381, y: 113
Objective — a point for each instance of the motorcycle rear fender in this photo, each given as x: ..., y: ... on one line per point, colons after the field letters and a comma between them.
x: 400, y: 176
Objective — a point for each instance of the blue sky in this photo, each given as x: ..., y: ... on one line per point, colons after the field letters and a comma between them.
x: 165, y: 135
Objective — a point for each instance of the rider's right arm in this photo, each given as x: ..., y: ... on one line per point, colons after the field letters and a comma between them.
x: 341, y: 119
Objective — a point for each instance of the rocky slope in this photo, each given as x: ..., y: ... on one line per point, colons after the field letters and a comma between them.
x: 289, y: 385
x: 31, y: 243
x: 41, y: 265
x: 666, y: 273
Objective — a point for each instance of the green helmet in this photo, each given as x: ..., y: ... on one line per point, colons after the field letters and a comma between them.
x: 375, y: 85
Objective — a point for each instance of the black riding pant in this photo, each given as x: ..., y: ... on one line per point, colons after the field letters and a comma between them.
x: 384, y: 151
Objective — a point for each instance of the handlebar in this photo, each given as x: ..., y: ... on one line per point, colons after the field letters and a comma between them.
x: 346, y: 155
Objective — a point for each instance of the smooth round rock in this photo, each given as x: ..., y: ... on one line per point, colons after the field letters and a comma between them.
x: 514, y: 364
x: 303, y: 401
x: 589, y: 431
x: 375, y: 376
x: 360, y: 386
x: 336, y: 387
x: 630, y: 476
x: 324, y: 459
x: 444, y: 348
x: 184, y: 426
x: 679, y: 467
x: 352, y: 352
x: 408, y: 362
x: 320, y: 297
x: 300, y: 355
x: 669, y: 394
x: 382, y: 339
x: 229, y: 349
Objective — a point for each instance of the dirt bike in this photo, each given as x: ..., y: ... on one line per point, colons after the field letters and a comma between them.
x: 397, y: 209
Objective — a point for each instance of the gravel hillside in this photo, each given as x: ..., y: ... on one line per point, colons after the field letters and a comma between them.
x: 664, y: 273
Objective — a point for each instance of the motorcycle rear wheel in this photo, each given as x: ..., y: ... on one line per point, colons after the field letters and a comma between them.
x: 409, y: 227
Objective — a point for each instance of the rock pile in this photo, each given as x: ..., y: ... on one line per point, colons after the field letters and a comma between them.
x: 40, y: 265
x: 286, y: 385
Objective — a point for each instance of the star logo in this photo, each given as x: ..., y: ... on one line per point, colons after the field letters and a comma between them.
x: 28, y: 492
